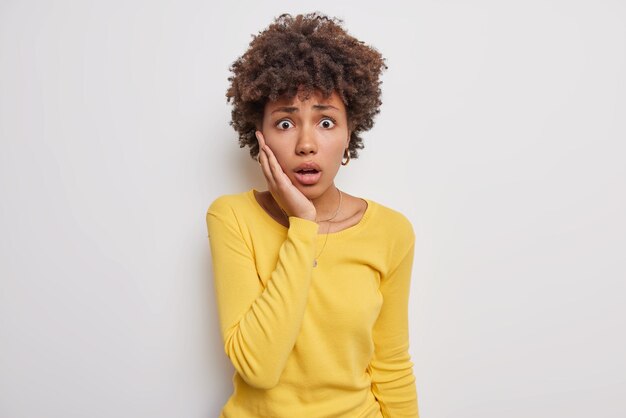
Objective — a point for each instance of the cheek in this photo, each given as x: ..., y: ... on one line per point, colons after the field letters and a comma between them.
x: 340, y: 148
x: 280, y: 158
x: 334, y: 156
x: 278, y: 151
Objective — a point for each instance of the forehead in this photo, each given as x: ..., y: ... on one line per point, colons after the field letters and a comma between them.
x: 315, y: 98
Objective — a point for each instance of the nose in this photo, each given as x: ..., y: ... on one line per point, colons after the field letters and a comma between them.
x: 307, y: 142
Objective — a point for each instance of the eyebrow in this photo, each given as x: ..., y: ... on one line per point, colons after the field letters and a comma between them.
x: 292, y: 109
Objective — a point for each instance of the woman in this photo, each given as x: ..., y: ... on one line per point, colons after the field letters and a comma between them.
x: 312, y: 283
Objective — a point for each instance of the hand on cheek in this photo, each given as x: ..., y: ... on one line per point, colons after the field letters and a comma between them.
x: 288, y: 197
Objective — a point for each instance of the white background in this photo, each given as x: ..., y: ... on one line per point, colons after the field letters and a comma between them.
x: 502, y: 137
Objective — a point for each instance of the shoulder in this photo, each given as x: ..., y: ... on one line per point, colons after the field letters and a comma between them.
x: 392, y: 223
x: 388, y: 217
x: 229, y: 203
x: 233, y: 210
x: 230, y: 214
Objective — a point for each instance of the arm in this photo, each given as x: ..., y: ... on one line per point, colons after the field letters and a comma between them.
x: 259, y: 325
x: 393, y: 382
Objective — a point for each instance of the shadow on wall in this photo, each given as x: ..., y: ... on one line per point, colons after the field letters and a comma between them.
x: 241, y: 171
x: 230, y: 170
x: 219, y: 365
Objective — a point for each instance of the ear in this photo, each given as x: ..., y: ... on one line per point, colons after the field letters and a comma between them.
x: 348, y: 140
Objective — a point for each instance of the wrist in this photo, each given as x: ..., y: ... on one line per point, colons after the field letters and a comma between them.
x: 305, y: 216
x: 308, y: 218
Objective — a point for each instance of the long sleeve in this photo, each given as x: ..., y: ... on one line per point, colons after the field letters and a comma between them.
x: 393, y: 381
x: 259, y: 324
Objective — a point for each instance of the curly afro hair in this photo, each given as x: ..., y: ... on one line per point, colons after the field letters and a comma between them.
x: 297, y: 55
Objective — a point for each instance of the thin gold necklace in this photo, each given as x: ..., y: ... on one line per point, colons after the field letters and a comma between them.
x: 329, y: 220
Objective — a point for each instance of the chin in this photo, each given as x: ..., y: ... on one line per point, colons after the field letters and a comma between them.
x: 312, y: 192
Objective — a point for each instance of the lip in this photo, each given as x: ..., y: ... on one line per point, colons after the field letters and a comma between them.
x: 308, y: 166
x: 308, y: 179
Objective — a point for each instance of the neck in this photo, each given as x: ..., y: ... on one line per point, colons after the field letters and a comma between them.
x: 327, y: 204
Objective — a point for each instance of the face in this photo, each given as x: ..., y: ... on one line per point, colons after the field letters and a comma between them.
x: 308, y: 139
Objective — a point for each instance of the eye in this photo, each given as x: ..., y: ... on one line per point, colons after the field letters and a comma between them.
x: 284, y: 124
x: 327, y: 123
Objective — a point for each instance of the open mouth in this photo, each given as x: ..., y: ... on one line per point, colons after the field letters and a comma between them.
x: 307, y: 171
x: 308, y: 176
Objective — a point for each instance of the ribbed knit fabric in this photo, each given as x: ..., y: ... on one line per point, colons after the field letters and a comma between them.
x: 305, y: 342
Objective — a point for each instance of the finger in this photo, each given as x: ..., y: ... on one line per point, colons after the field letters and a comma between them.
x: 263, y: 155
x: 265, y: 168
x: 260, y: 139
x: 260, y: 143
x: 263, y: 146
x: 277, y: 170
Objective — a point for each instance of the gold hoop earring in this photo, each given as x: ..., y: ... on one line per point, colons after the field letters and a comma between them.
x: 346, y: 157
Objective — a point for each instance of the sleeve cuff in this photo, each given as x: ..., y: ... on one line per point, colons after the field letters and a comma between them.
x: 302, y: 227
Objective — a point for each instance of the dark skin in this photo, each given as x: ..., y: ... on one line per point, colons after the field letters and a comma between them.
x: 313, y: 131
x: 352, y: 210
